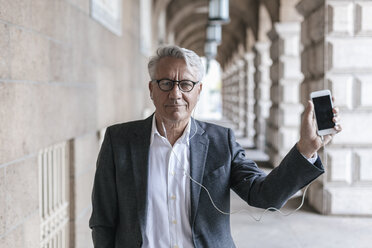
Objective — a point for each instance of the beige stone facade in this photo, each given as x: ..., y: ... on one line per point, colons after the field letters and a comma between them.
x: 337, y: 56
x: 314, y: 45
x: 64, y: 77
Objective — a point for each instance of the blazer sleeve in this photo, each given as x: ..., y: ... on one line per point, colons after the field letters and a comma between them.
x: 104, y: 197
x: 272, y: 190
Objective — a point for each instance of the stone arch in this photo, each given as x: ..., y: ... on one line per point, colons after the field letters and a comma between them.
x: 199, y: 34
x: 288, y: 12
x: 272, y: 7
x: 198, y: 47
x: 198, y: 21
x: 159, y: 6
x: 158, y: 20
x: 186, y: 10
x: 264, y: 23
x: 232, y: 36
x: 188, y: 30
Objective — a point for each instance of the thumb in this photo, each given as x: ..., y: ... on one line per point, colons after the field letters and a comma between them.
x: 309, y: 111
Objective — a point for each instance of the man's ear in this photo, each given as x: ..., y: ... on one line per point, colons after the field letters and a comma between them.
x: 150, y: 89
x: 200, y: 89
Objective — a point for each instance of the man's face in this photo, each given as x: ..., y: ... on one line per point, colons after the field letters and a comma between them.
x: 175, y: 105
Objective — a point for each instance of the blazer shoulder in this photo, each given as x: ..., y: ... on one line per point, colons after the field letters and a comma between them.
x: 213, y: 129
x: 130, y: 127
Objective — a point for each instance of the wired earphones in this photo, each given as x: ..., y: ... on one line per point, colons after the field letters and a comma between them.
x: 210, y: 197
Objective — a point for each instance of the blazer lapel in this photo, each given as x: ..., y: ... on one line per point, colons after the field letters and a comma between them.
x: 140, y: 158
x: 198, y: 154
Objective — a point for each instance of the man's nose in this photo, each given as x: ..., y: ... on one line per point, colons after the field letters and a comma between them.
x: 175, y: 93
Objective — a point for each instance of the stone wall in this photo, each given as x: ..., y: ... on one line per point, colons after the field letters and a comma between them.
x: 328, y: 47
x: 337, y: 40
x: 237, y: 96
x: 285, y: 113
x: 63, y: 77
x: 249, y: 131
x: 230, y: 93
x: 262, y: 82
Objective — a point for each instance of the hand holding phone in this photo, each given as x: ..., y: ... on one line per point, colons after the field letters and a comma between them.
x: 323, y: 108
x: 322, y: 125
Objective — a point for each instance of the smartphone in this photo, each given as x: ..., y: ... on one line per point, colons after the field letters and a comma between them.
x: 323, y: 111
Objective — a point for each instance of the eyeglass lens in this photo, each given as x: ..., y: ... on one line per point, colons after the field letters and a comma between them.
x: 184, y: 85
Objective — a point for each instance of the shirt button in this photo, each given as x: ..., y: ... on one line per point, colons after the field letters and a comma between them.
x: 174, y: 222
x: 173, y: 197
x: 172, y: 173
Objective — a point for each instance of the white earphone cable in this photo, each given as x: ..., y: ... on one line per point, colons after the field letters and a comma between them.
x: 241, y: 210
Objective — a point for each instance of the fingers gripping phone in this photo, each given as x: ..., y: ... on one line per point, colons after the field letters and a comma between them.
x: 323, y: 107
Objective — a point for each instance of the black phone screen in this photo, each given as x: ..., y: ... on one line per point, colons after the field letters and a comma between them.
x: 323, y: 112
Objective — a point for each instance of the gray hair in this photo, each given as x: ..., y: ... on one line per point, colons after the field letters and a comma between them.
x: 191, y: 58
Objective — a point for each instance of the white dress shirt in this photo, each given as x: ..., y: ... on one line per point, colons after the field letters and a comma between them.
x: 168, y: 209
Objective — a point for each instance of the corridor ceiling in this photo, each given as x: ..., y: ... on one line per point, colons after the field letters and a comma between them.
x: 186, y: 22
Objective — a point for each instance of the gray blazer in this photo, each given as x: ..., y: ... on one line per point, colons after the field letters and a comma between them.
x: 119, y: 195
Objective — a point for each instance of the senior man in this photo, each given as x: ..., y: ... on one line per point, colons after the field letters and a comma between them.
x: 147, y: 189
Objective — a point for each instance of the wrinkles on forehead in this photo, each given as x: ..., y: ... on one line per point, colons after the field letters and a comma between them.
x: 175, y: 69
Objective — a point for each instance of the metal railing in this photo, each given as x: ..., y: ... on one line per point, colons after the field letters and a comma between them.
x: 53, y: 196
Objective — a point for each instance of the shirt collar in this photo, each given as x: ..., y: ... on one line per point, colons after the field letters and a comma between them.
x: 184, y: 138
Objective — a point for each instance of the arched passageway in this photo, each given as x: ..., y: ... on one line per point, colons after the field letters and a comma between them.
x: 69, y: 69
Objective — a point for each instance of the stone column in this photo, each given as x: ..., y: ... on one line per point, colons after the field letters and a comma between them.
x: 337, y: 40
x: 226, y: 106
x: 229, y: 99
x: 262, y: 80
x: 249, y: 116
x: 234, y: 93
x: 223, y: 91
x: 240, y: 96
x: 285, y: 113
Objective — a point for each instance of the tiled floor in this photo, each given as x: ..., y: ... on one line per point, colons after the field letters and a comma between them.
x: 305, y: 228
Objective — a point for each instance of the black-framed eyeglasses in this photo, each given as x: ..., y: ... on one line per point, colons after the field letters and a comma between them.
x: 168, y: 84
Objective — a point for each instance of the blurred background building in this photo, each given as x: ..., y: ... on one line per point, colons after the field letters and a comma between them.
x: 70, y: 68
